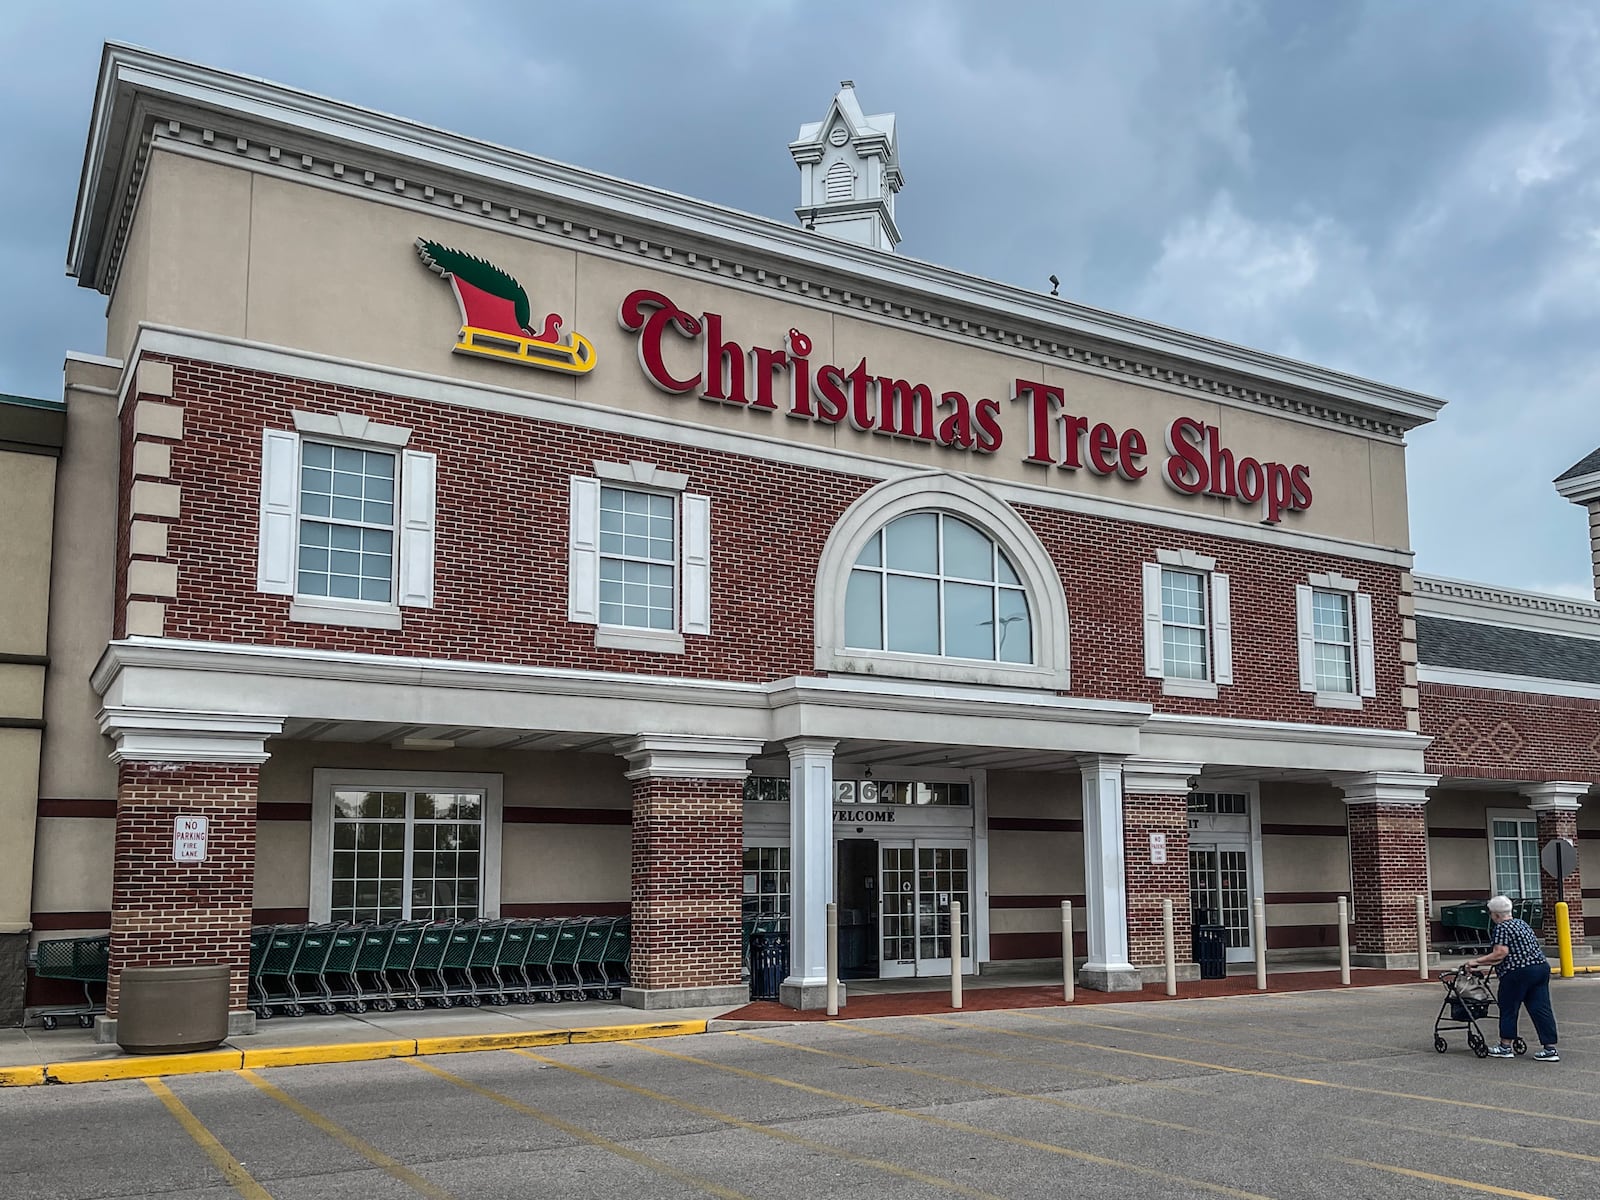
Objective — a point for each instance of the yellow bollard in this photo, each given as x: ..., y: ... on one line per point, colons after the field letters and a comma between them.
x: 1564, y: 939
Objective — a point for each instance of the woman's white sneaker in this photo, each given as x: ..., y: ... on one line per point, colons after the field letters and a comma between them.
x: 1548, y: 1054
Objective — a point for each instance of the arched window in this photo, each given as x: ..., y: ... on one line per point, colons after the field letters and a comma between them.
x: 935, y: 577
x: 930, y: 583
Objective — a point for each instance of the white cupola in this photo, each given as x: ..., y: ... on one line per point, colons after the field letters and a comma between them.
x: 849, y: 173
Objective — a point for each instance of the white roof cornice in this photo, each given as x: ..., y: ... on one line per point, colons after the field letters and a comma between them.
x: 1487, y: 604
x: 140, y: 93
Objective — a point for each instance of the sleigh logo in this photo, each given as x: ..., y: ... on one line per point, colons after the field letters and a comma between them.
x: 497, y: 318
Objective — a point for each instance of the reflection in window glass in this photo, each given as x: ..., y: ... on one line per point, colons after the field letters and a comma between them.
x: 406, y: 855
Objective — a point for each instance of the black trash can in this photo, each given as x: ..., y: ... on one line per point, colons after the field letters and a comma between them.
x: 1211, y: 951
x: 769, y: 964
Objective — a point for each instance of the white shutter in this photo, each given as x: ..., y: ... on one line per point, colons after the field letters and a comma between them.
x: 1305, y: 627
x: 418, y: 476
x: 1154, y: 659
x: 1221, y: 629
x: 280, y: 494
x: 583, y: 552
x: 696, y: 564
x: 1366, y: 669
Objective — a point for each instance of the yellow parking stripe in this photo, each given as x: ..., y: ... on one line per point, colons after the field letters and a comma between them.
x: 1475, y: 1139
x: 1453, y: 1182
x: 1322, y: 1083
x: 976, y: 1084
x: 232, y: 1170
x: 583, y: 1135
x: 371, y: 1153
x: 793, y: 1139
x: 958, y: 1126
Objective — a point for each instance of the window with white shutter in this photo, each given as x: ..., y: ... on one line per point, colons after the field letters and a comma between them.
x: 347, y: 520
x: 639, y: 557
x: 1188, y: 624
x: 1333, y: 625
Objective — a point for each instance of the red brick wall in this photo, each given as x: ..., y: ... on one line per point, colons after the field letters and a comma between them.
x: 169, y: 914
x: 1388, y: 871
x: 688, y: 845
x: 1510, y: 735
x: 500, y: 585
x: 1149, y: 884
x: 1553, y: 824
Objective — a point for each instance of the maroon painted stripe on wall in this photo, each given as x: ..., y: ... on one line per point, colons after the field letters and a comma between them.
x: 1304, y: 897
x: 45, y: 921
x: 567, y: 816
x: 1035, y: 825
x: 606, y: 908
x: 280, y: 916
x: 77, y: 808
x: 1033, y: 901
x: 1294, y: 937
x: 1448, y: 831
x: 1303, y: 830
x: 283, y: 812
x: 1033, y: 945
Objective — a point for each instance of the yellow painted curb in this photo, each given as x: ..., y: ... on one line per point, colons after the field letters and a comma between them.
x: 631, y: 1033
x: 21, y: 1076
x: 305, y: 1056
x: 144, y: 1067
x: 467, y: 1043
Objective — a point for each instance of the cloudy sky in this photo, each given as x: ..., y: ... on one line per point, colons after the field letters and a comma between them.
x: 1405, y: 191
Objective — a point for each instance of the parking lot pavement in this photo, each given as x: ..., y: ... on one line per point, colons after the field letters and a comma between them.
x: 1286, y: 1095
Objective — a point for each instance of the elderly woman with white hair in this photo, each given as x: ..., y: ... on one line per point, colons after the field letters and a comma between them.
x: 1524, y: 980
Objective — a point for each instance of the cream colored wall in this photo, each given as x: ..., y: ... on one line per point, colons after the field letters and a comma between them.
x: 337, y: 274
x: 75, y: 763
x: 1461, y: 864
x: 19, y: 793
x: 1034, y: 862
x: 283, y: 864
x: 572, y: 864
x: 72, y: 871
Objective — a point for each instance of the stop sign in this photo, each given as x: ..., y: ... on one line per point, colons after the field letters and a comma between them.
x: 1559, y: 858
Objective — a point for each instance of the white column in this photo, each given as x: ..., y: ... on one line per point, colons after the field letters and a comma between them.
x: 810, y: 870
x: 1104, y: 878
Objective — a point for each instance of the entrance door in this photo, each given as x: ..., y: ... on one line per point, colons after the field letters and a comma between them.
x: 943, y: 875
x: 1219, y: 890
x: 856, y: 876
x: 897, y: 912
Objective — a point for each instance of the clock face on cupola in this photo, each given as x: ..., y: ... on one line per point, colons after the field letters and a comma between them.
x: 849, y: 173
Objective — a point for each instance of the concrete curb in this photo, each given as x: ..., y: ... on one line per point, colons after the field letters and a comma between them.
x: 158, y: 1065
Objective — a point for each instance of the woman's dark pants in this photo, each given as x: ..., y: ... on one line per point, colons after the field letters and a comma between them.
x: 1530, y: 986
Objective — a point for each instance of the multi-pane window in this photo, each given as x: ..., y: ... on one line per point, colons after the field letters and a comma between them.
x: 406, y: 855
x: 638, y: 558
x: 1334, y: 640
x: 766, y: 881
x: 347, y: 511
x: 1515, y: 845
x: 888, y: 791
x: 1224, y: 803
x: 1185, y: 650
x: 932, y: 584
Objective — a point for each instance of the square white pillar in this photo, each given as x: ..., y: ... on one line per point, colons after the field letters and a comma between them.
x: 1105, y: 882
x: 810, y: 870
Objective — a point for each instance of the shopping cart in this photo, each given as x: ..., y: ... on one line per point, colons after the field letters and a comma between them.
x: 1468, y: 997
x: 80, y: 960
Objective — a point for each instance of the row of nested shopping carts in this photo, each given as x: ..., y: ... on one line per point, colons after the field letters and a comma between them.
x: 295, y: 969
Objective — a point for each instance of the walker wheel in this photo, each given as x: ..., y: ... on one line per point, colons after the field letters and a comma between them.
x: 1440, y: 1044
x: 1479, y: 1046
x: 1520, y: 1046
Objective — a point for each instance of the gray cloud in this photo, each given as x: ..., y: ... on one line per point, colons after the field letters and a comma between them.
x: 1400, y: 190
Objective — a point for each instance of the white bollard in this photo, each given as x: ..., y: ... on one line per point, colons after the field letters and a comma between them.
x: 955, y: 954
x: 1066, y: 951
x: 1260, y: 916
x: 1422, y: 938
x: 1344, y: 941
x: 1171, y: 950
x: 833, y: 960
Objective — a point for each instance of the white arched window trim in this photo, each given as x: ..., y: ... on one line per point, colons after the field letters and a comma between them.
x: 939, y: 492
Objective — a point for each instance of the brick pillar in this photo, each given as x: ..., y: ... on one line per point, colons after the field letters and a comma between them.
x: 688, y: 845
x: 1155, y: 800
x: 171, y: 914
x: 1556, y: 805
x: 1386, y: 818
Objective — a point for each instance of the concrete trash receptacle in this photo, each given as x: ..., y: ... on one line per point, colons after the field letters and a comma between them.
x: 164, y: 1010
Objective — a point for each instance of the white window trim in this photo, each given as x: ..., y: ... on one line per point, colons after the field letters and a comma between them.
x: 691, y: 563
x: 414, y: 528
x: 1219, y: 624
x: 1361, y: 635
x: 1492, y: 815
x: 324, y: 782
x: 936, y: 491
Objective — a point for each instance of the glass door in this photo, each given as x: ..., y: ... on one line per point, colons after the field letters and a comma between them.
x: 897, y: 910
x: 1219, y: 890
x: 943, y: 874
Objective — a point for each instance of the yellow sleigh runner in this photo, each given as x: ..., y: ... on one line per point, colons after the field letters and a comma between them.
x: 576, y: 358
